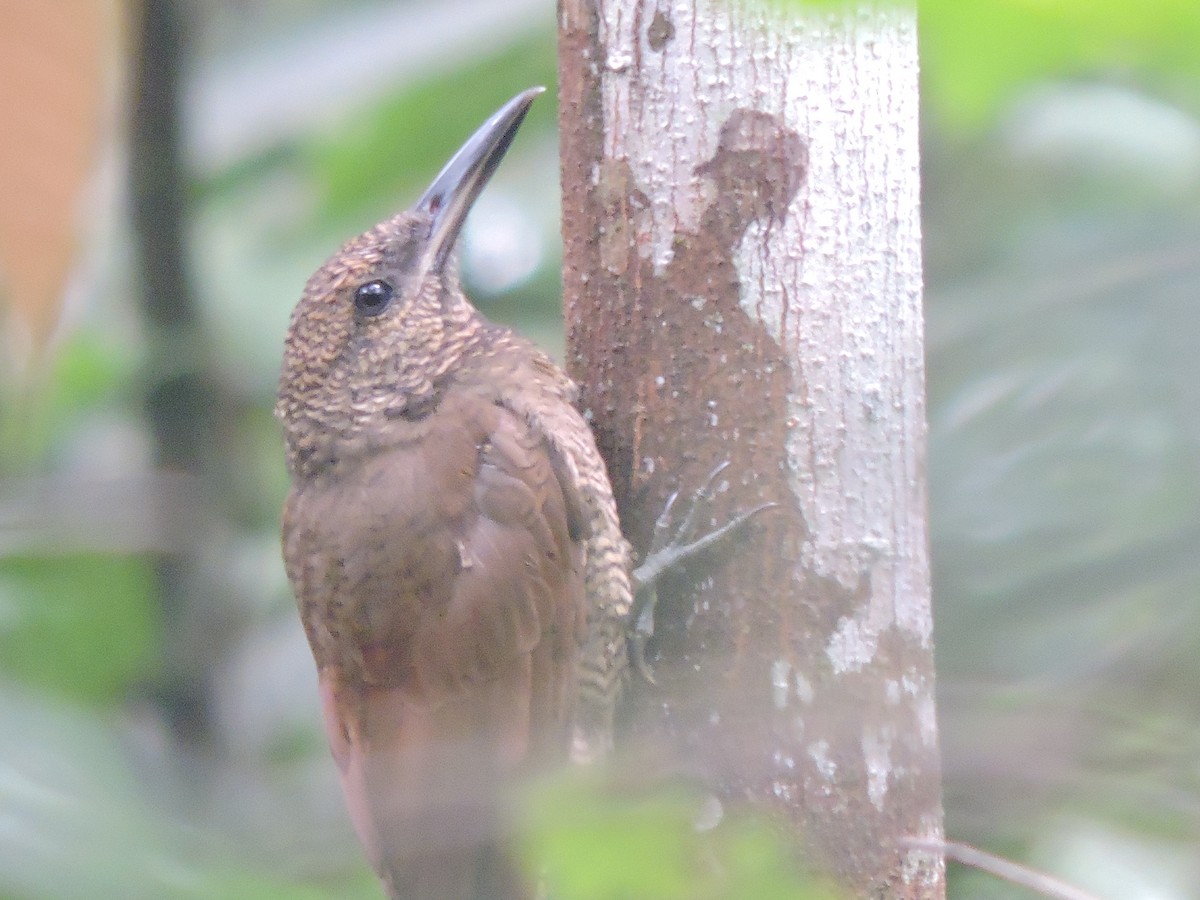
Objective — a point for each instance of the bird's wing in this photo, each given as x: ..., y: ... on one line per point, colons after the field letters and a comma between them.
x: 457, y: 586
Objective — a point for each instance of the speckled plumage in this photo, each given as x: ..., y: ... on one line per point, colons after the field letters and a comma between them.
x: 453, y: 543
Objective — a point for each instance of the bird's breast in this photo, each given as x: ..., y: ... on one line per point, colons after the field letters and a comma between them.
x: 436, y: 561
x: 375, y: 547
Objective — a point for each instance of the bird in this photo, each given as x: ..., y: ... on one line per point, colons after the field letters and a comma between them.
x: 452, y: 542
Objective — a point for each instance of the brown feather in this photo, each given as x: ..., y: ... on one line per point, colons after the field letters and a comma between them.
x: 453, y: 545
x: 442, y: 594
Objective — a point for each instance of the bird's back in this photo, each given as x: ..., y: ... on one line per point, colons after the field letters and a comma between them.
x: 440, y: 580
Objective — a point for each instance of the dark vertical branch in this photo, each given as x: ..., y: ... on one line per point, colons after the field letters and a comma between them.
x: 181, y: 401
x: 157, y: 180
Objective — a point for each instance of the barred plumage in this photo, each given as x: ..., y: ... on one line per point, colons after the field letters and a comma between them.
x: 453, y: 544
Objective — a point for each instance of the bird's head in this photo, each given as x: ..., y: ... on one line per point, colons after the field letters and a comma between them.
x: 385, y: 316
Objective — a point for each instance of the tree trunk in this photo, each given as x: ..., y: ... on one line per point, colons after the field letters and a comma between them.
x: 743, y: 283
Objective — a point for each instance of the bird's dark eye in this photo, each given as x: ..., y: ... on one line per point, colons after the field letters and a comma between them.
x: 372, y: 298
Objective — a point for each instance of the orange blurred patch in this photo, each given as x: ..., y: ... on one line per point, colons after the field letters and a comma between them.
x: 54, y: 60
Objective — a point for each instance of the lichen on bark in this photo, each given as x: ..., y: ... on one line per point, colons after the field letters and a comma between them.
x: 742, y: 280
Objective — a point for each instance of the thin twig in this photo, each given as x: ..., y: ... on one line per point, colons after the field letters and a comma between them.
x: 1008, y: 870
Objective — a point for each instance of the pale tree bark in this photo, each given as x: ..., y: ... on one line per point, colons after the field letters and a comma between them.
x: 743, y: 282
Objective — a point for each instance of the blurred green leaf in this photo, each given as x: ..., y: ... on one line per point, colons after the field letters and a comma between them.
x: 87, y: 370
x: 85, y: 821
x: 397, y: 146
x: 82, y: 376
x: 82, y: 625
x: 976, y: 56
x: 600, y: 843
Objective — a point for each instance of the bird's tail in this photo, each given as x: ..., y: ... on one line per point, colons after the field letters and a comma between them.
x: 427, y: 789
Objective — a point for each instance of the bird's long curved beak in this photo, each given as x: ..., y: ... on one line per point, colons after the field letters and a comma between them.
x: 448, y: 200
